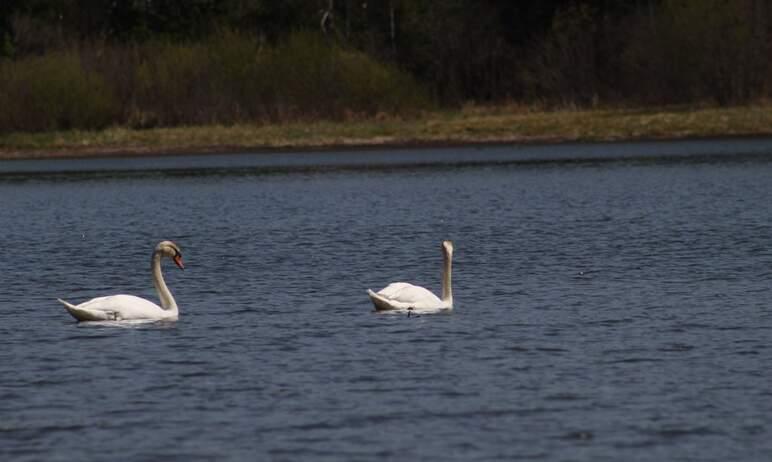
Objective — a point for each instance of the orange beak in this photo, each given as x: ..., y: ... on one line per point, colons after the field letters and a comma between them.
x: 178, y: 261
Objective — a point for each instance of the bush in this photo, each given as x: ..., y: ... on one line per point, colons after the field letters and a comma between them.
x: 563, y: 67
x: 374, y: 87
x: 229, y: 78
x: 308, y: 76
x: 53, y: 92
x: 698, y: 51
x: 171, y: 86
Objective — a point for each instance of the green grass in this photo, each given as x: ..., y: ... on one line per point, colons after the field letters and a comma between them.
x: 504, y: 124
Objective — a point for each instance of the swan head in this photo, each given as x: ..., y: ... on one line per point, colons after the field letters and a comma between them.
x: 447, y: 247
x: 171, y: 250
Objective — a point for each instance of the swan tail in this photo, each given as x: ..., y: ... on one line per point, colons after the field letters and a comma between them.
x: 84, y: 314
x: 66, y: 304
x: 381, y: 303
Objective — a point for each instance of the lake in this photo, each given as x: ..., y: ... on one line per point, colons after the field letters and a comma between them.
x: 612, y: 302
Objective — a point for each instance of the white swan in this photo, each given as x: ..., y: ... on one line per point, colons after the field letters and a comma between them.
x: 404, y: 296
x: 129, y: 307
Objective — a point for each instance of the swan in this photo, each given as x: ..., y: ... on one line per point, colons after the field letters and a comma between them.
x: 404, y: 296
x: 129, y: 307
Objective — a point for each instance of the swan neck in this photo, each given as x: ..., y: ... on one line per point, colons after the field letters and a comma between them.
x: 167, y: 300
x: 447, y: 269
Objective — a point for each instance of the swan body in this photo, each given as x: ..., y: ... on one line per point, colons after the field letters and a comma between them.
x: 403, y: 296
x: 118, y: 308
x: 131, y: 308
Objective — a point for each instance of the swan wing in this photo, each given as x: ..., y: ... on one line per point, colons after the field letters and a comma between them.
x: 403, y: 296
x: 408, y: 293
x: 115, y: 308
x: 395, y: 288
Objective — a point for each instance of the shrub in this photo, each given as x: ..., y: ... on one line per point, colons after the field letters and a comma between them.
x: 562, y: 69
x: 696, y: 51
x: 310, y: 76
x: 53, y: 92
x: 228, y: 78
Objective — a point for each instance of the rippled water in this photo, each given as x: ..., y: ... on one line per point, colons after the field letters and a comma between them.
x: 604, y: 311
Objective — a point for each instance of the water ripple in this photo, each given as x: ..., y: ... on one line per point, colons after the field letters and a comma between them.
x: 604, y: 311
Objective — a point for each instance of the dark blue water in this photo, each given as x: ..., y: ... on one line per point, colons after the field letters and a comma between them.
x: 605, y: 311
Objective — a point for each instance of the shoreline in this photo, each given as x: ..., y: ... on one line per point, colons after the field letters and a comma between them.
x: 225, y: 150
x: 483, y: 127
x: 271, y: 161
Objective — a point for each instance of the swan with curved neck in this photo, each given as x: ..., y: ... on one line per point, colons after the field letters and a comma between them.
x: 129, y: 307
x: 404, y: 296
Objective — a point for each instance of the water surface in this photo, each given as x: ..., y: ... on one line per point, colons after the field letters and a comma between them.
x: 605, y: 310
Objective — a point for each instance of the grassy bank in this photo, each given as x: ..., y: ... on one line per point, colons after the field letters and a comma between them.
x: 467, y: 126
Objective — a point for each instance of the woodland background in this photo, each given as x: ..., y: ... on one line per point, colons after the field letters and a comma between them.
x: 90, y: 64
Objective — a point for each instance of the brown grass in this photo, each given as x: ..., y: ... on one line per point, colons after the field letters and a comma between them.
x: 499, y: 124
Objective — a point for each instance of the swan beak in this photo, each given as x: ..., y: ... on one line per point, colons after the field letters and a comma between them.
x: 178, y: 262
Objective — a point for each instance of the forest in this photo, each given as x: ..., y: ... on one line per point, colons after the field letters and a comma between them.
x: 90, y: 64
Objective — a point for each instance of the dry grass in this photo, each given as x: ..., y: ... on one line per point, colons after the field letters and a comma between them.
x: 500, y: 124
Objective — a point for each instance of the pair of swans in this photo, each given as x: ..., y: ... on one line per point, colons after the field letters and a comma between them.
x: 396, y: 296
